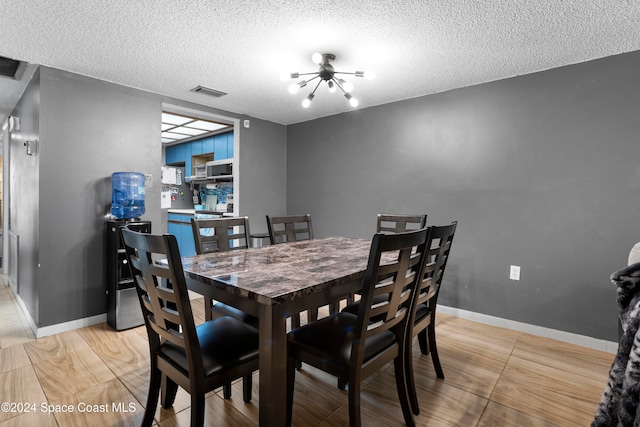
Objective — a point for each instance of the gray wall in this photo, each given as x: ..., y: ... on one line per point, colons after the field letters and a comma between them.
x: 541, y: 171
x: 263, y: 172
x: 24, y: 187
x: 89, y: 129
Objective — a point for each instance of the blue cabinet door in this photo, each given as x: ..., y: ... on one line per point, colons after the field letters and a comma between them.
x: 175, y: 154
x: 170, y: 155
x: 230, y: 145
x: 220, y: 147
x: 180, y: 226
x: 188, y: 169
x: 197, y: 147
x: 208, y: 145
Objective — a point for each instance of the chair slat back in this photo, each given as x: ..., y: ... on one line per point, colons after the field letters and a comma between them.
x: 393, y: 272
x: 291, y: 228
x: 220, y: 234
x: 399, y: 223
x: 437, y: 255
x: 159, y: 279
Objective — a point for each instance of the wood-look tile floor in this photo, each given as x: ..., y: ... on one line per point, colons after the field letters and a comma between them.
x: 493, y: 377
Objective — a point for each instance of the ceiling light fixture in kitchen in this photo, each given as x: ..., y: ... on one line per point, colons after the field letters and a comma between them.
x: 326, y: 73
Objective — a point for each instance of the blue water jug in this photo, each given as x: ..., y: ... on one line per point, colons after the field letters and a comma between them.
x: 127, y: 195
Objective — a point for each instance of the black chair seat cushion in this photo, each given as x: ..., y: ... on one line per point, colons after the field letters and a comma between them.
x: 225, y: 342
x: 332, y: 339
x: 227, y: 310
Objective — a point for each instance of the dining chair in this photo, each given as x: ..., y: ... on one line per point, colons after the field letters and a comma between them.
x: 399, y: 223
x: 349, y: 345
x: 395, y: 223
x: 219, y: 235
x: 292, y: 228
x: 197, y: 358
x: 289, y: 228
x: 423, y: 313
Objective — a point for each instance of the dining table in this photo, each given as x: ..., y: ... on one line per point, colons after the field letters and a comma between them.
x: 273, y: 283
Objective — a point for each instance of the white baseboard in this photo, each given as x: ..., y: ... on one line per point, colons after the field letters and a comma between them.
x: 597, y: 344
x: 71, y: 325
x: 60, y: 327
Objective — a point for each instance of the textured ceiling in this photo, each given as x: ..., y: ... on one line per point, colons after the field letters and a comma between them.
x: 242, y: 47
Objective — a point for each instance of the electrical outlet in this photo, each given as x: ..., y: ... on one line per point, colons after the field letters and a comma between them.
x: 514, y: 272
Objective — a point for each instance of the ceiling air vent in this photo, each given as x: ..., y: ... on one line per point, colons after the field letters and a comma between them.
x: 11, y: 68
x: 208, y: 91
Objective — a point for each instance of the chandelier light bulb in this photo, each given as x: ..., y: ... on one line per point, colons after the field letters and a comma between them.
x: 293, y: 88
x: 353, y: 101
x: 348, y: 86
x: 316, y: 58
x: 332, y: 86
x: 307, y: 101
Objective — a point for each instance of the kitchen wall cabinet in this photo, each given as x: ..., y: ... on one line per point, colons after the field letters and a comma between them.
x: 176, y: 154
x: 221, y: 146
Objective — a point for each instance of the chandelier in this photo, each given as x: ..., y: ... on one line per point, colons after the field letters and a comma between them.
x: 328, y: 74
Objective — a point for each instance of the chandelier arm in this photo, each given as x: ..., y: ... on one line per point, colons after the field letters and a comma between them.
x: 339, y: 85
x: 316, y: 88
x: 313, y: 78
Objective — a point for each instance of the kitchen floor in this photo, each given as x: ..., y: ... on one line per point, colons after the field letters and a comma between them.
x: 493, y: 376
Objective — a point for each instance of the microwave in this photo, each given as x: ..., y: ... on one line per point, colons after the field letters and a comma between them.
x: 219, y: 168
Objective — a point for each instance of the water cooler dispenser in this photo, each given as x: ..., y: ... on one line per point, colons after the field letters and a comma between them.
x: 123, y: 307
x: 127, y: 205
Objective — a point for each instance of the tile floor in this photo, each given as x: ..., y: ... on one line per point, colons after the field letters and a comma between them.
x: 493, y: 377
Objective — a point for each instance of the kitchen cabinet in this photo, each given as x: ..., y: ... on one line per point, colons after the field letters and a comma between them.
x: 180, y: 226
x: 176, y: 154
x: 218, y: 147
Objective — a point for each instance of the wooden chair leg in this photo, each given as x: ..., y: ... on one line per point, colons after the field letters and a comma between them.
x: 342, y: 383
x: 168, y: 390
x: 152, y: 397
x: 334, y: 308
x: 197, y: 409
x: 208, y: 305
x: 434, y: 351
x: 226, y: 391
x: 355, y: 419
x: 401, y: 385
x: 410, y: 381
x: 423, y: 341
x: 247, y: 382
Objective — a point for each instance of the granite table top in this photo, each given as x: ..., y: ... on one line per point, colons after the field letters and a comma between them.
x: 283, y: 272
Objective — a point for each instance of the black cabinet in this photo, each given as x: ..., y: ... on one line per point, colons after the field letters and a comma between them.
x: 123, y: 308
